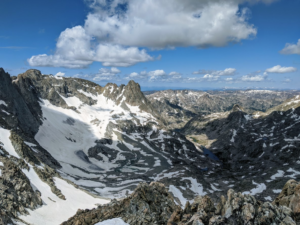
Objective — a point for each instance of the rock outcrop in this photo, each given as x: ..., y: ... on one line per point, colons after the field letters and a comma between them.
x: 148, y: 204
x: 152, y: 204
x: 236, y: 209
x: 290, y: 197
x: 16, y: 192
x: 17, y: 106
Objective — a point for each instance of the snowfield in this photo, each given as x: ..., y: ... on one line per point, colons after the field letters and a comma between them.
x: 55, y: 210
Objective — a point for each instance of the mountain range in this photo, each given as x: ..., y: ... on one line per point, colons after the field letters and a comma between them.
x: 69, y: 144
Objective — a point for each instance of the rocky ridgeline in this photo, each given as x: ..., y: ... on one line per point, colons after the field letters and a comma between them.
x: 153, y: 204
x: 148, y: 204
x: 177, y: 107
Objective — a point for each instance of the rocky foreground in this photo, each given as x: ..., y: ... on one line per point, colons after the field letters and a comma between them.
x: 153, y: 204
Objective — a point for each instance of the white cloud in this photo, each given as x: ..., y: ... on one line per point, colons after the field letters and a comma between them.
x: 174, y: 73
x: 205, y: 78
x: 264, y: 1
x: 226, y: 72
x: 170, y: 23
x: 59, y: 74
x: 210, y: 77
x: 280, y: 69
x: 291, y: 48
x: 229, y: 79
x: 155, y: 75
x: 113, y: 36
x: 75, y: 49
x: 106, y: 74
x: 287, y: 80
x: 253, y: 78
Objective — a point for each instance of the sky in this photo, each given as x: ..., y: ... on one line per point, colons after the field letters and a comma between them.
x: 161, y: 44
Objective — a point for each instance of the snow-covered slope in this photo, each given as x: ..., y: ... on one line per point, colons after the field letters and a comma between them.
x: 87, y: 141
x: 104, y: 140
x: 53, y: 210
x: 111, y: 145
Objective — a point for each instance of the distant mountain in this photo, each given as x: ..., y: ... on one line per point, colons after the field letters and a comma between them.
x: 191, y: 103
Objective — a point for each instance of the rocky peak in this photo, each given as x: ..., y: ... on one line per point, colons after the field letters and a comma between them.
x: 133, y: 94
x: 236, y: 108
x: 206, y: 96
x: 32, y: 74
x: 17, y: 106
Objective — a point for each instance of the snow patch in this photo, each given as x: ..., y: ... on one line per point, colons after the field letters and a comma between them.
x: 4, y: 138
x: 178, y: 194
x: 259, y: 189
x: 2, y: 103
x: 112, y: 222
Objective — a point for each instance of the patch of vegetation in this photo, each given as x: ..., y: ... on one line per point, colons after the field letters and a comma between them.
x: 195, y: 140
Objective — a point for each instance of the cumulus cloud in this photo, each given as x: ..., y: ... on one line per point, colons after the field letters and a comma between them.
x: 281, y: 69
x: 205, y: 78
x: 229, y: 79
x: 76, y: 49
x: 115, y: 31
x: 264, y: 1
x: 155, y: 75
x: 106, y: 74
x: 210, y: 77
x: 174, y: 23
x: 291, y: 49
x: 60, y: 74
x: 226, y: 72
x: 253, y: 78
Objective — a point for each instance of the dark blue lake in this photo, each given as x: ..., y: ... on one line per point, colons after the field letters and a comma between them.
x: 209, y: 153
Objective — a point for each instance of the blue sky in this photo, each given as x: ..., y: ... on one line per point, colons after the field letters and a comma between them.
x: 197, y: 44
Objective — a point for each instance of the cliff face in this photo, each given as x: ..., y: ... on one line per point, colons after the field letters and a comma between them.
x: 15, y: 104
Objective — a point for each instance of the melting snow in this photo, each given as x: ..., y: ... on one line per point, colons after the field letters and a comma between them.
x: 178, y: 194
x: 268, y: 198
x: 234, y: 134
x: 2, y: 103
x: 279, y: 173
x: 4, y: 138
x: 55, y: 210
x: 112, y: 222
x: 259, y: 189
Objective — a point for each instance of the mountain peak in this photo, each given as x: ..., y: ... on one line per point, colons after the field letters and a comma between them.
x: 134, y: 85
x: 237, y: 108
x: 31, y: 74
